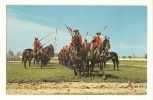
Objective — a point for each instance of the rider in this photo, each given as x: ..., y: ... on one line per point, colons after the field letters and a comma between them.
x: 75, y: 37
x: 36, y: 45
x: 70, y: 46
x: 66, y: 48
x: 96, y: 43
x: 85, y: 44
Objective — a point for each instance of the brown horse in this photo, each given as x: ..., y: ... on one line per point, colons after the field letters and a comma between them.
x: 46, y: 55
x: 97, y: 57
x: 61, y: 59
x: 77, y: 59
x: 27, y: 56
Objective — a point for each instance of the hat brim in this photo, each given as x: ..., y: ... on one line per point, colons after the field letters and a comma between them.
x: 98, y: 33
x: 75, y: 30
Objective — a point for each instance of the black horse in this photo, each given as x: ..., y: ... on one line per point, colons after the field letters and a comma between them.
x: 114, y: 57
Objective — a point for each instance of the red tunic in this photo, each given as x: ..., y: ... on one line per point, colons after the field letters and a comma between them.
x: 96, y: 41
x: 80, y: 40
x: 85, y: 45
x: 70, y: 47
x: 67, y: 48
x: 36, y: 45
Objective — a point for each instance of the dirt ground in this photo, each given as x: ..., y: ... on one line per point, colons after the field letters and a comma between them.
x: 76, y: 88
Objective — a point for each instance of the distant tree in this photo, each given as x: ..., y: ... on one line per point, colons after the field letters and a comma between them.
x: 129, y: 56
x: 11, y: 53
x: 19, y: 53
x: 123, y: 56
x: 145, y: 56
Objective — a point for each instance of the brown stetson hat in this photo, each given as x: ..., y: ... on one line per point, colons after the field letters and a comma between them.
x: 36, y: 38
x: 75, y: 30
x: 98, y: 33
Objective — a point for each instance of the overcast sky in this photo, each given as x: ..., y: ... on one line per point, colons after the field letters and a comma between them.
x: 126, y: 26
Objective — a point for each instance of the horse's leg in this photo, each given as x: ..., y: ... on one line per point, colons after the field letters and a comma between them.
x: 71, y: 64
x: 34, y: 62
x: 75, y: 68
x: 91, y: 68
x: 113, y: 63
x: 102, y: 66
x: 30, y: 61
x: 117, y: 62
x: 41, y: 63
x: 25, y: 60
x: 87, y: 67
x: 80, y: 66
x: 65, y: 63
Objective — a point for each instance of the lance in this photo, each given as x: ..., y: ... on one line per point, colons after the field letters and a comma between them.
x: 49, y: 41
x: 46, y: 36
x: 70, y: 30
x: 89, y: 34
x: 103, y: 30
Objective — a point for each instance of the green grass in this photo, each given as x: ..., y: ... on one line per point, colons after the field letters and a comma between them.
x: 59, y: 73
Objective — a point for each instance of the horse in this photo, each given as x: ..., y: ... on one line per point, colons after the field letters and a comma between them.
x: 27, y: 56
x: 114, y: 57
x: 46, y: 55
x: 97, y: 57
x: 67, y: 58
x: 77, y: 55
x: 61, y: 59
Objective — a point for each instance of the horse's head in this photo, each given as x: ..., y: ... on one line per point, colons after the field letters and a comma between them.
x: 106, y: 43
x: 50, y: 48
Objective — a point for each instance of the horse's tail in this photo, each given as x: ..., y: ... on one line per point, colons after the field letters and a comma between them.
x: 22, y: 56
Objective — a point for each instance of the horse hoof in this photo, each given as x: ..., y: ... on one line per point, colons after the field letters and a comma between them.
x: 104, y: 77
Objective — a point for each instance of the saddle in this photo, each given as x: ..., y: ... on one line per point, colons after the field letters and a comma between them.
x: 36, y: 51
x: 93, y: 51
x: 107, y: 54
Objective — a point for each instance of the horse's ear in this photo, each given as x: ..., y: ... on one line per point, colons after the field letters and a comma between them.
x: 105, y: 36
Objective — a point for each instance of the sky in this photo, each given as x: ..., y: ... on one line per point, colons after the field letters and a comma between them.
x: 126, y: 26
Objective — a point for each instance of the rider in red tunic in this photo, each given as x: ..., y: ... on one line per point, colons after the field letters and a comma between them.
x: 85, y: 44
x: 79, y: 37
x: 36, y: 45
x: 74, y: 38
x: 71, y: 46
x: 66, y: 48
x: 96, y: 43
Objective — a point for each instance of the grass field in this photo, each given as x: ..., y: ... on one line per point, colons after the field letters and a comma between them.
x: 54, y: 72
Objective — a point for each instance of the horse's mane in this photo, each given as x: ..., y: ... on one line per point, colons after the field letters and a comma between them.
x: 28, y: 49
